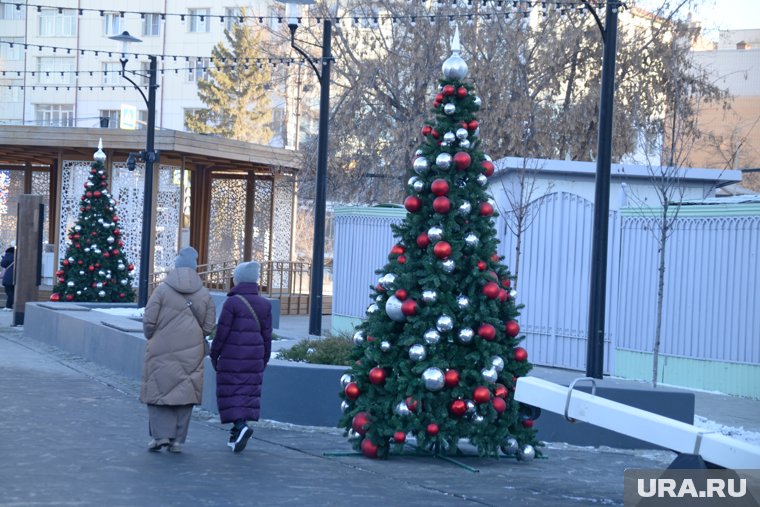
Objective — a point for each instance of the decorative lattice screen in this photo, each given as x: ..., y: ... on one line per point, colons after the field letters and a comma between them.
x: 226, y: 220
x: 73, y: 177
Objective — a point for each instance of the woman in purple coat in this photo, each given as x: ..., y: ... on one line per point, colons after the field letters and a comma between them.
x: 240, y: 352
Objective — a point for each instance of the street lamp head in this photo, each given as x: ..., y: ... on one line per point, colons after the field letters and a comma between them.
x: 293, y: 11
x: 125, y: 38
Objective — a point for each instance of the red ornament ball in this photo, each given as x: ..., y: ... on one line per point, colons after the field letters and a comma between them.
x: 501, y: 391
x: 352, y: 391
x: 512, y: 328
x: 399, y: 437
x: 457, y: 408
x: 527, y: 423
x: 451, y: 378
x: 462, y: 160
x: 80, y: 262
x: 448, y: 90
x: 491, y: 290
x: 461, y: 92
x: 359, y: 423
x: 96, y: 193
x: 521, y: 354
x: 481, y: 266
x: 439, y: 187
x: 423, y: 240
x: 93, y: 170
x: 115, y: 218
x: 91, y: 268
x: 401, y: 294
x: 401, y: 259
x: 503, y: 296
x: 426, y: 130
x: 439, y: 97
x: 473, y: 125
x: 488, y: 167
x: 88, y: 194
x: 131, y: 267
x: 379, y: 288
x: 499, y: 405
x: 486, y: 209
x: 409, y: 307
x: 432, y: 429
x: 506, y: 282
x: 121, y: 295
x: 116, y: 232
x: 69, y: 297
x: 55, y: 296
x: 481, y: 395
x: 115, y: 251
x: 369, y: 449
x: 397, y: 250
x: 442, y: 250
x: 442, y: 205
x: 412, y: 204
x: 411, y: 404
x: 61, y: 279
x: 487, y: 332
x: 495, y: 257
x: 65, y: 262
x: 377, y: 376
x: 435, y: 134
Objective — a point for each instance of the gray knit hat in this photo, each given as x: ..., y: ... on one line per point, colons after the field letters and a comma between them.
x: 187, y: 258
x: 246, y: 272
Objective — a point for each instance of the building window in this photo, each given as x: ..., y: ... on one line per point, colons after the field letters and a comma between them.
x: 231, y: 15
x: 151, y: 25
x: 198, y: 69
x: 113, y: 118
x: 142, y: 119
x: 9, y: 11
x: 54, y: 115
x: 199, y: 22
x: 276, y: 15
x: 54, y: 70
x: 55, y: 24
x: 113, y: 24
x: 112, y: 73
x: 8, y: 53
x: 144, y: 77
x: 10, y: 91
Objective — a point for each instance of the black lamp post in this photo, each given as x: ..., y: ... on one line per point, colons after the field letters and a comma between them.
x: 598, y: 286
x: 148, y: 156
x: 322, y: 68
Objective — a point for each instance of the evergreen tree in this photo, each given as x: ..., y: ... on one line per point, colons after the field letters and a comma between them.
x: 438, y: 355
x: 95, y: 269
x: 235, y: 91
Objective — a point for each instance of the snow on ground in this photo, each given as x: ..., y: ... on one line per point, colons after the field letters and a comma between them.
x: 751, y: 437
x: 136, y: 313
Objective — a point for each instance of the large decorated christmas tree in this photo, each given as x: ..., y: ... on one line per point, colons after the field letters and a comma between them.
x: 95, y: 268
x: 438, y: 355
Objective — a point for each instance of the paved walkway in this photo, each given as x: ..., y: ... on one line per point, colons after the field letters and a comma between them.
x: 74, y: 433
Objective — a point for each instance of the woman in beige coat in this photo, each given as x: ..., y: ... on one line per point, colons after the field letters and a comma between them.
x: 178, y: 316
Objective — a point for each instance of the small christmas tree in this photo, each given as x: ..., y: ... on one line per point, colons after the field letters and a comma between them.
x: 95, y: 269
x: 438, y: 355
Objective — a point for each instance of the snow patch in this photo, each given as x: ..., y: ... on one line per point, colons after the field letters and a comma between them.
x: 739, y: 433
x: 136, y: 313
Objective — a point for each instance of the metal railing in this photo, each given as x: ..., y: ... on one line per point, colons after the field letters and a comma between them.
x: 287, y: 281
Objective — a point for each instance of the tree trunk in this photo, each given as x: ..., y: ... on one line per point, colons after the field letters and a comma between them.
x: 660, y: 292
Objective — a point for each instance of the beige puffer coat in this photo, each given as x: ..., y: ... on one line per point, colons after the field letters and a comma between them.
x: 173, y: 369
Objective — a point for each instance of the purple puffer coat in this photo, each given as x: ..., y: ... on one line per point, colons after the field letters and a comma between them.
x: 240, y: 352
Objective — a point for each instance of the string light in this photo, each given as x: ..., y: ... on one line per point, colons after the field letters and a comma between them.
x: 546, y: 7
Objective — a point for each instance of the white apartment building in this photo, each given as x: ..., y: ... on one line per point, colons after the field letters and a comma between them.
x: 84, y: 26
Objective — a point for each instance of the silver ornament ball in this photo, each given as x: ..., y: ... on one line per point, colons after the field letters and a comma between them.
x: 372, y: 309
x: 344, y: 406
x: 421, y: 165
x: 470, y: 407
x: 465, y: 335
x: 526, y: 453
x: 489, y: 374
x: 431, y: 336
x: 449, y: 109
x: 462, y: 133
x: 433, y: 378
x: 393, y: 309
x: 444, y: 323
x: 497, y: 363
x: 476, y: 102
x: 77, y: 228
x: 464, y: 143
x: 435, y: 233
x: 448, y: 266
x: 429, y: 296
x: 102, y: 293
x: 345, y: 379
x: 402, y: 409
x: 358, y: 337
x: 418, y: 186
x: 449, y: 137
x: 465, y: 208
x: 443, y: 161
x: 124, y: 282
x: 417, y: 353
x: 411, y: 181
x: 509, y: 446
x: 471, y: 240
x: 70, y: 283
x: 463, y: 302
x: 455, y: 67
x: 482, y: 180
x: 385, y: 346
x: 478, y: 419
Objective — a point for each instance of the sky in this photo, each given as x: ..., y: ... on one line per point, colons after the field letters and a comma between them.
x: 718, y: 14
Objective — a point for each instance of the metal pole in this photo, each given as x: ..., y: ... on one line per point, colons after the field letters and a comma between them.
x: 147, y: 234
x: 596, y: 316
x: 318, y: 252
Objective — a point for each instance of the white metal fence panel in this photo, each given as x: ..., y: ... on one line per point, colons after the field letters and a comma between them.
x: 553, y: 281
x: 710, y: 307
x: 361, y: 247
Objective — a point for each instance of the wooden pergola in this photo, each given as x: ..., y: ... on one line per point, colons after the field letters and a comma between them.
x: 203, y: 162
